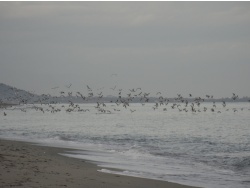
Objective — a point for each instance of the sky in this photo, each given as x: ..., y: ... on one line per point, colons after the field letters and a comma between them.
x: 173, y: 47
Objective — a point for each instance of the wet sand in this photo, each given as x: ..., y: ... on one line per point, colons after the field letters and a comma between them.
x: 26, y: 165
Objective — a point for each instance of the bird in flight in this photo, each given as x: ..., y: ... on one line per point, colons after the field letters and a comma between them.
x: 68, y: 86
x: 113, y: 88
x: 89, y: 88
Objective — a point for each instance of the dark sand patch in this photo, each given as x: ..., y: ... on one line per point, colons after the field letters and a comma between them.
x: 26, y: 165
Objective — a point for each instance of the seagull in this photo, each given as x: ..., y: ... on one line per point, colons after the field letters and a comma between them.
x: 81, y: 95
x: 113, y: 88
x: 132, y: 90
x: 234, y: 97
x: 88, y: 87
x: 4, y: 114
x: 68, y: 86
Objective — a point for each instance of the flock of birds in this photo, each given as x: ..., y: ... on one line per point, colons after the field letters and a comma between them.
x: 71, y: 103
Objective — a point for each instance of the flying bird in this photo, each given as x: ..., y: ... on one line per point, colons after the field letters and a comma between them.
x: 69, y: 86
x: 113, y: 88
x: 88, y: 87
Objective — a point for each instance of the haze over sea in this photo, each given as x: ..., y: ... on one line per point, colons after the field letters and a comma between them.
x: 80, y: 60
x: 206, y: 149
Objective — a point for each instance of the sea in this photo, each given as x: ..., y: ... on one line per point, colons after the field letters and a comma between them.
x: 208, y: 149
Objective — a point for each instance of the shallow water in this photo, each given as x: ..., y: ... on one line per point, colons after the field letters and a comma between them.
x: 207, y: 149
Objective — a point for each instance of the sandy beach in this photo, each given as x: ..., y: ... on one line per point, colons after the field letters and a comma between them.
x: 26, y: 165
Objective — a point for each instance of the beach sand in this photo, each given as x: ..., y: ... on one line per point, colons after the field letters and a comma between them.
x: 26, y: 165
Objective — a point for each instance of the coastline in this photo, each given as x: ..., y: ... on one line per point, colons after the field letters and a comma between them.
x: 25, y: 165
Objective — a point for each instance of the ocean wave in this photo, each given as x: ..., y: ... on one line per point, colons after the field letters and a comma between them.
x: 242, y: 163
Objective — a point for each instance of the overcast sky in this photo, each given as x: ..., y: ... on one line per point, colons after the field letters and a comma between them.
x: 172, y: 47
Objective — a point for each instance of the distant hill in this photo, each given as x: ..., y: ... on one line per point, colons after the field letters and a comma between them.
x: 12, y: 95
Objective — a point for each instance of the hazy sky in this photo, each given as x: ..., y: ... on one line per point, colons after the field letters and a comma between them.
x: 172, y: 47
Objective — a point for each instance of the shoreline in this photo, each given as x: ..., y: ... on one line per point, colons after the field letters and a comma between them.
x: 23, y: 164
